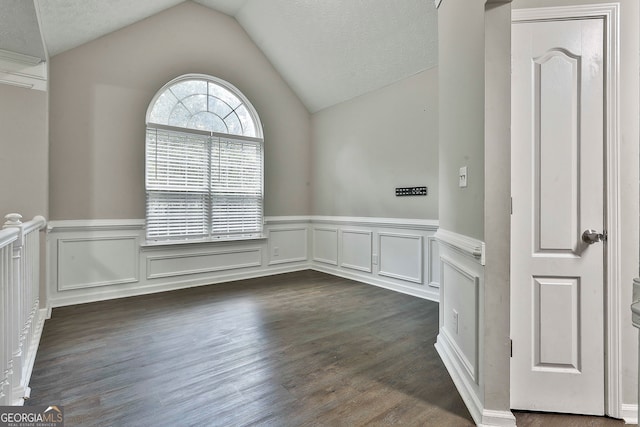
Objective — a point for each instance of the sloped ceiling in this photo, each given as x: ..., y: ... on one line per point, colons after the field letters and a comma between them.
x: 328, y: 51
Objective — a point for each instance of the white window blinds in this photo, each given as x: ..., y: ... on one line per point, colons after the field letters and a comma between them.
x: 202, y: 185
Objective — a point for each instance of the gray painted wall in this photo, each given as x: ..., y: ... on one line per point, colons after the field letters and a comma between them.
x: 363, y: 148
x: 496, y: 343
x: 474, y: 118
x: 461, y: 110
x: 100, y: 92
x: 23, y: 152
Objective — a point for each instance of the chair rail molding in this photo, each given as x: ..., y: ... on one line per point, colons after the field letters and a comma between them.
x: 408, y: 223
x: 463, y: 244
x: 95, y: 225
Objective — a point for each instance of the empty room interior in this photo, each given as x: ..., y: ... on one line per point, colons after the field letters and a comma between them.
x: 346, y: 212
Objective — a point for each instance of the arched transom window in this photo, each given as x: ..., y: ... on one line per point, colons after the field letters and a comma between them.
x: 204, y: 162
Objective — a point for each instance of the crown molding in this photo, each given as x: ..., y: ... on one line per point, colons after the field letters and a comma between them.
x: 24, y: 71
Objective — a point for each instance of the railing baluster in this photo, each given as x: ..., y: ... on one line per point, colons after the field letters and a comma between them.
x: 19, y: 302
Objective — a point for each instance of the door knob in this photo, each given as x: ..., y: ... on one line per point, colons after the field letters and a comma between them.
x: 592, y: 236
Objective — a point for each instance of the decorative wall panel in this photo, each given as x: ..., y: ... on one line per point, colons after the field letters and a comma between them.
x: 99, y: 261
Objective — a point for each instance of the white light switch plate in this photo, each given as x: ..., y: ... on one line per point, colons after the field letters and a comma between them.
x: 462, y: 177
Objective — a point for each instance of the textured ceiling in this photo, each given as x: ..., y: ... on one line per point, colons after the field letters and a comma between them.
x: 66, y: 24
x: 230, y: 7
x: 328, y: 51
x: 334, y: 50
x: 19, y: 28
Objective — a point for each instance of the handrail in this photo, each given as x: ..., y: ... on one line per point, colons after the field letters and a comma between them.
x: 8, y: 235
x: 37, y: 223
x: 635, y: 321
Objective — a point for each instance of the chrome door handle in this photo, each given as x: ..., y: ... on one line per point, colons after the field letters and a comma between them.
x: 592, y: 236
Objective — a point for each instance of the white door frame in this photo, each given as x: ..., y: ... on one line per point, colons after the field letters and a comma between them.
x: 610, y: 12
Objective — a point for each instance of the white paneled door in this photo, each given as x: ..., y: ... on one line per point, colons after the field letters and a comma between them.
x: 557, y: 279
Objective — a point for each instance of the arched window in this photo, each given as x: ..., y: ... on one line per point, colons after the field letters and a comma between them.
x: 204, y: 162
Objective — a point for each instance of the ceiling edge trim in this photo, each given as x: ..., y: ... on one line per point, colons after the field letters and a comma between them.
x: 21, y: 70
x: 36, y: 4
x: 28, y: 60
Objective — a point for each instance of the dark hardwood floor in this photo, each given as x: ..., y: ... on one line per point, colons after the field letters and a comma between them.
x: 300, y: 349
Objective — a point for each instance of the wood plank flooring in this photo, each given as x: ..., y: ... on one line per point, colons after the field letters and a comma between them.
x: 300, y: 349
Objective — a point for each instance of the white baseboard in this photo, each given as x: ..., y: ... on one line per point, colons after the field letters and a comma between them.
x: 629, y: 413
x: 497, y: 418
x: 62, y: 301
x: 463, y: 384
x: 35, y: 342
x: 468, y: 391
x: 429, y: 293
x: 30, y: 355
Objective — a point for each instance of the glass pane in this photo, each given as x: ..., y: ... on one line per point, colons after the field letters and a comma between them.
x: 189, y: 87
x: 195, y: 103
x: 248, y: 126
x: 233, y: 123
x: 179, y: 116
x: 224, y: 95
x: 162, y: 108
x: 207, y: 121
x: 219, y: 107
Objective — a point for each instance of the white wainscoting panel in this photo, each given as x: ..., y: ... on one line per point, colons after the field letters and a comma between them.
x: 434, y: 262
x: 93, y: 260
x: 288, y: 245
x: 459, y: 341
x: 392, y: 253
x: 98, y: 261
x: 461, y: 317
x: 356, y: 250
x: 159, y: 266
x: 401, y: 256
x: 325, y: 245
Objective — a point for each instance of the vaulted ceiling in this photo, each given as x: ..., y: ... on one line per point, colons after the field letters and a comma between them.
x: 328, y: 51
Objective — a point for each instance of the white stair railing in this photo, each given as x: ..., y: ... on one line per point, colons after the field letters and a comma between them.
x: 635, y: 318
x: 21, y: 319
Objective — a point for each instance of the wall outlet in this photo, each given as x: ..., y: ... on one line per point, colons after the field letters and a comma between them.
x: 276, y: 251
x: 374, y: 259
x: 455, y: 321
x: 462, y: 177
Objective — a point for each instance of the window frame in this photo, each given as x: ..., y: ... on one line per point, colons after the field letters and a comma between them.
x: 258, y: 139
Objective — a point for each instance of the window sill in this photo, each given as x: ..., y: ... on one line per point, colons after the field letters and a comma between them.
x: 227, y: 240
